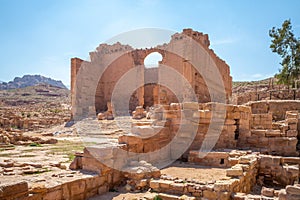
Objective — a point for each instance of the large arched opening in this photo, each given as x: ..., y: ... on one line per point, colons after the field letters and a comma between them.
x: 152, y: 60
x: 151, y: 88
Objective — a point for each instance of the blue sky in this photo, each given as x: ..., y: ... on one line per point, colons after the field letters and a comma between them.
x: 40, y: 37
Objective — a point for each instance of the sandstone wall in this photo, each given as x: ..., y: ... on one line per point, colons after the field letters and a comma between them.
x: 275, y: 94
x: 277, y: 170
x: 278, y: 108
x: 279, y: 138
x: 110, y: 62
x: 238, y: 129
x: 81, y: 187
x: 193, y: 129
x: 241, y: 178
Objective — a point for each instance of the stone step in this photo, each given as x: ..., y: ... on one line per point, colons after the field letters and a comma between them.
x: 6, y: 146
x: 166, y: 196
x: 175, y: 188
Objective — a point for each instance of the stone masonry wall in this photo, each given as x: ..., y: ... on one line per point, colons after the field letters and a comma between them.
x: 241, y: 178
x: 277, y: 108
x: 278, y: 138
x: 72, y: 188
x: 240, y: 129
x: 148, y: 138
x: 92, y: 83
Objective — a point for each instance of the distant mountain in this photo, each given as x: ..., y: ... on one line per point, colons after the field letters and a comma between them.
x: 30, y: 80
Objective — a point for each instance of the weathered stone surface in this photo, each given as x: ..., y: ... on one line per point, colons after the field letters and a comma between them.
x: 234, y: 171
x: 293, y: 190
x: 209, y: 194
x: 13, y: 190
x: 154, y: 184
x: 128, y: 58
x: 268, y: 192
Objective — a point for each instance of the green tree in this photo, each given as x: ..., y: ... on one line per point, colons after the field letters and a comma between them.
x: 285, y: 44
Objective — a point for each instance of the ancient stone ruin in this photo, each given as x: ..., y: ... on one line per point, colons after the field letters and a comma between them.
x: 173, y: 146
x: 109, y: 63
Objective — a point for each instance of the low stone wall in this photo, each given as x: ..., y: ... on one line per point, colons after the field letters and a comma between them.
x: 89, y: 161
x: 277, y: 170
x: 265, y: 95
x: 241, y: 178
x: 96, y: 176
x: 11, y: 191
x: 240, y: 129
x: 219, y: 158
x: 291, y: 192
x: 116, y: 168
x: 278, y: 138
x: 278, y: 108
x: 72, y: 188
x: 234, y: 128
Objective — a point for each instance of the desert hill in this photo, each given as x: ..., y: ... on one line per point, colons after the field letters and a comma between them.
x: 30, y: 80
x: 41, y: 93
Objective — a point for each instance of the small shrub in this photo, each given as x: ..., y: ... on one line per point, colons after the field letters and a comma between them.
x: 157, y: 198
x: 71, y: 157
x: 28, y: 115
x: 34, y: 144
x: 14, y: 127
x: 113, y: 190
x: 55, y: 110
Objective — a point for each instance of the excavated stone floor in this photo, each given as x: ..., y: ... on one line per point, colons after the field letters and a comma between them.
x: 188, y: 171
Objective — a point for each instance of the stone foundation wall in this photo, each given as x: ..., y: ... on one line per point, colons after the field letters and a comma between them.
x: 277, y: 108
x: 11, y: 191
x: 278, y: 138
x: 67, y: 188
x: 217, y: 158
x: 241, y: 178
x: 90, y: 161
x: 235, y: 127
x: 240, y: 129
x: 275, y: 94
x: 277, y: 170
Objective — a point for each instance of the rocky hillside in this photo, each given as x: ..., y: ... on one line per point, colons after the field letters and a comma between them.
x: 267, y: 89
x: 41, y: 93
x: 240, y: 87
x: 33, y: 108
x: 30, y: 80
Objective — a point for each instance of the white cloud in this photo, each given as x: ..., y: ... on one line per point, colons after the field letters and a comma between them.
x: 251, y: 77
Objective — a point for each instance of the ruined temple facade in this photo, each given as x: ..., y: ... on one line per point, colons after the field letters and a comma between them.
x: 124, y: 58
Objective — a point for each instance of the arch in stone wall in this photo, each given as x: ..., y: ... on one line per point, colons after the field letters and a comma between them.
x: 116, y: 59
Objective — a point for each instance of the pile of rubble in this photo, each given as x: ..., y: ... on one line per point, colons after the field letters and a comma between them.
x: 10, y: 167
x: 17, y: 137
x: 108, y: 114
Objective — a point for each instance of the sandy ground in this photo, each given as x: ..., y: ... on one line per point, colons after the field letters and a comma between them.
x: 122, y: 196
x: 190, y: 171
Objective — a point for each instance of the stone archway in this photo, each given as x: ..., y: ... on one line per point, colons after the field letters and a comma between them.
x: 151, y: 87
x: 93, y: 82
